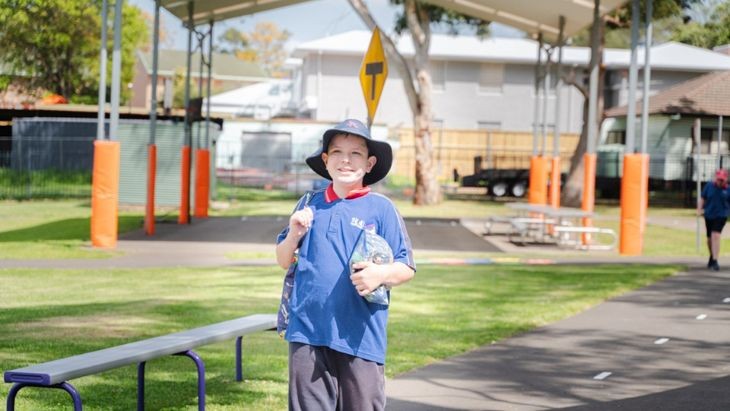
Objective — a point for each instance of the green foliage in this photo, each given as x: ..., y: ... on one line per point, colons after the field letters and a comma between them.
x: 264, y: 45
x: 714, y: 31
x: 231, y: 41
x: 54, y: 44
x: 667, y: 16
x: 452, y: 20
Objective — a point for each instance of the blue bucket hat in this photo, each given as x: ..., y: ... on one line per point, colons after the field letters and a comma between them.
x: 380, y: 149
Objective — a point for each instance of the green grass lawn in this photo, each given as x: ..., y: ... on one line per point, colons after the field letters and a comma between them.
x: 445, y: 310
x: 60, y: 228
x: 52, y: 229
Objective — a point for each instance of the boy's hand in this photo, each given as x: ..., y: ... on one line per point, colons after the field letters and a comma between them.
x: 368, y: 276
x: 299, y: 223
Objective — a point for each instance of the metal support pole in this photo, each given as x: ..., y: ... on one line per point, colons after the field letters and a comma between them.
x: 207, y: 101
x: 155, y: 58
x: 593, y: 87
x: 536, y: 111
x: 188, y: 130
x: 116, y: 71
x: 630, y: 147
x: 201, y: 43
x: 188, y: 118
x: 558, y: 87
x: 647, y: 77
x: 719, y: 142
x: 697, y: 129
x: 100, y: 135
x: 545, y: 100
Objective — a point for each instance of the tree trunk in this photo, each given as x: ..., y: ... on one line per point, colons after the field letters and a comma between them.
x: 572, y: 190
x: 427, y: 190
x: 418, y: 91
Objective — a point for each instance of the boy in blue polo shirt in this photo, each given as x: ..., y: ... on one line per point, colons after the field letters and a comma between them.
x: 337, y: 339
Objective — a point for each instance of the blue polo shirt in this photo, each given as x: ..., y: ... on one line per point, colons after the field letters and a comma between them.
x: 715, y: 201
x: 325, y: 309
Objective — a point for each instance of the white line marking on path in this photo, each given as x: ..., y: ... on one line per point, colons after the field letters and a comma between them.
x: 661, y: 341
x: 726, y: 300
x: 602, y: 376
x: 702, y: 316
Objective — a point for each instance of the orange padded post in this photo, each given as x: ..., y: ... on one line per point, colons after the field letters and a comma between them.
x: 149, y: 216
x: 538, y: 180
x: 589, y: 192
x: 202, y: 182
x: 555, y: 183
x: 105, y: 194
x: 182, y: 218
x: 634, y: 202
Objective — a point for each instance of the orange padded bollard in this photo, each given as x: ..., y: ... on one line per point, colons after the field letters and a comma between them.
x: 589, y: 192
x: 149, y: 216
x: 555, y: 183
x: 183, y: 218
x: 634, y: 201
x: 538, y: 180
x: 202, y: 182
x: 105, y: 194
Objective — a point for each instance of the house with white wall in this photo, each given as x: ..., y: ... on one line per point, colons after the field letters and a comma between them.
x: 479, y: 83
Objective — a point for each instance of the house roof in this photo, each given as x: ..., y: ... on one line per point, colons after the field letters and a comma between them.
x: 225, y: 66
x: 704, y: 95
x: 667, y: 56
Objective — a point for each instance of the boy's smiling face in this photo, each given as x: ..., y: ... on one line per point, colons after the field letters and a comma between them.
x: 347, y: 160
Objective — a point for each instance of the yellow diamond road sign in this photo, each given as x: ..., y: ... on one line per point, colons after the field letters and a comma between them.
x: 373, y: 73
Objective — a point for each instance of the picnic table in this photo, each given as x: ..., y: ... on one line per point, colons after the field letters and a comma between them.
x: 546, y: 224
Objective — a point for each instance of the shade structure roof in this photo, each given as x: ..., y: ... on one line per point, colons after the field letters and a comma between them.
x: 531, y: 16
x: 205, y: 11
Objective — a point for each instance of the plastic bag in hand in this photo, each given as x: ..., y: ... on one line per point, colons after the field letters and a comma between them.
x: 373, y: 248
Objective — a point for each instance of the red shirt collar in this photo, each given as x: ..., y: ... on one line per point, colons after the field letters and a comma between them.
x: 330, y: 195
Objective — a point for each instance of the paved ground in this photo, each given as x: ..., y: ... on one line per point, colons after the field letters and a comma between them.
x: 561, y: 366
x: 664, y: 347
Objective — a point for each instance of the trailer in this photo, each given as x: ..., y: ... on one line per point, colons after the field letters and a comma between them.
x: 499, y: 182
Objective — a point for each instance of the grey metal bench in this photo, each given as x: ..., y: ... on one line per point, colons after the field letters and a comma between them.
x: 56, y: 374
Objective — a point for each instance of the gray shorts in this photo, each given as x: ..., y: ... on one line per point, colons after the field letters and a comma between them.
x: 322, y: 379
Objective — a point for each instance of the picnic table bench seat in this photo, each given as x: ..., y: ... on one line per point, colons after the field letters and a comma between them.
x: 57, y: 373
x: 570, y: 236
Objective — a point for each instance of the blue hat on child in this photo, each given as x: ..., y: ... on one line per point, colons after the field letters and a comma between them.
x: 380, y: 149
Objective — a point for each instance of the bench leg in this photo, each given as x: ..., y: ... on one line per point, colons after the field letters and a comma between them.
x: 201, y: 376
x: 62, y: 386
x: 140, y: 385
x: 201, y: 380
x: 239, y: 360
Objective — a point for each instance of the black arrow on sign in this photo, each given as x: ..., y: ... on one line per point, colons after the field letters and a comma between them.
x: 373, y: 69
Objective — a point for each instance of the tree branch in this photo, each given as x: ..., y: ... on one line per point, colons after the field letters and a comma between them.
x: 572, y: 79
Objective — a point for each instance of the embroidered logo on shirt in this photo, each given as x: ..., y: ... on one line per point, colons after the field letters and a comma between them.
x: 357, y: 223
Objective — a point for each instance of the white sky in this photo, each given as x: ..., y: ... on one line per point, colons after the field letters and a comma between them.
x: 306, y: 21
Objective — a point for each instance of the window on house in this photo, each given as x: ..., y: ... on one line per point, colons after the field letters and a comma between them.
x: 438, y: 75
x: 709, y: 143
x: 616, y: 137
x: 491, y: 78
